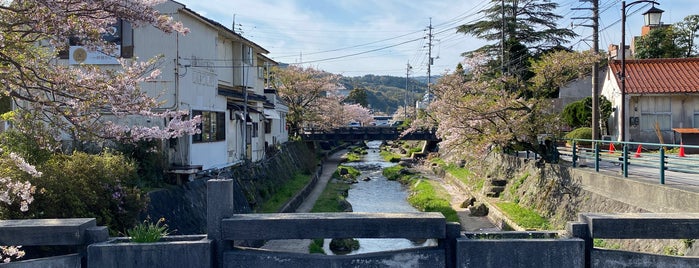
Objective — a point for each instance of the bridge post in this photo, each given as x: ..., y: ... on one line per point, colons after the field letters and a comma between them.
x: 219, y: 205
x: 597, y: 157
x: 453, y: 231
x: 581, y: 230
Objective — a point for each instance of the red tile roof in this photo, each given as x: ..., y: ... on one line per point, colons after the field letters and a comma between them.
x: 659, y: 76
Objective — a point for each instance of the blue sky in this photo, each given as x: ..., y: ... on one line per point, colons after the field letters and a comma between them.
x: 357, y: 37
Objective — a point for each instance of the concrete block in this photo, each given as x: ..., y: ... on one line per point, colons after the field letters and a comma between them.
x: 422, y: 257
x: 534, y: 253
x: 37, y: 232
x: 172, y: 251
x: 417, y: 225
x: 64, y: 261
x: 643, y: 225
x: 602, y: 258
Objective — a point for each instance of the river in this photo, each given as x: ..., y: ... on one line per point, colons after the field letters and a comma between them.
x: 378, y: 194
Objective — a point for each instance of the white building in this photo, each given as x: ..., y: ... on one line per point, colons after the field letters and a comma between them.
x: 213, y: 72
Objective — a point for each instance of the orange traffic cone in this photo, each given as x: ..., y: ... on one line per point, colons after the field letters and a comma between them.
x: 638, y: 151
x: 611, y: 148
x: 681, y: 150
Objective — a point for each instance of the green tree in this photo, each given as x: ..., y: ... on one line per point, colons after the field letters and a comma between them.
x: 358, y: 96
x: 579, y: 114
x: 658, y: 43
x: 529, y: 25
x: 686, y: 33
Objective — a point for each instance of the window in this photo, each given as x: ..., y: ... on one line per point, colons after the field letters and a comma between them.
x: 247, y: 54
x: 268, y: 126
x: 655, y: 109
x: 120, y: 34
x: 255, y: 130
x: 213, y: 126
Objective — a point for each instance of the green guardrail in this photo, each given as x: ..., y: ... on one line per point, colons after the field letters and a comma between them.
x: 658, y: 158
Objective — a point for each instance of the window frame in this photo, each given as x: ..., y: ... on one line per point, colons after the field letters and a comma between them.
x: 212, y: 126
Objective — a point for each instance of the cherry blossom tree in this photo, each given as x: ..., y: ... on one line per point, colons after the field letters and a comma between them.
x: 475, y: 112
x: 304, y: 90
x: 88, y: 102
x: 404, y: 113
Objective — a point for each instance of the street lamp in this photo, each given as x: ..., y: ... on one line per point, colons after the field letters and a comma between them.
x: 651, y: 17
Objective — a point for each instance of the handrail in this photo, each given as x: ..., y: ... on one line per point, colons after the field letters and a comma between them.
x: 662, y: 161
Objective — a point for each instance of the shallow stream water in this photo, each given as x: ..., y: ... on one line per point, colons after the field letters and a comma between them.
x: 378, y: 194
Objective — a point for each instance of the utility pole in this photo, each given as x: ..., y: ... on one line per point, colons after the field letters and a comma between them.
x: 429, y: 62
x: 405, y: 101
x: 595, y: 72
x: 502, y: 39
x: 595, y: 69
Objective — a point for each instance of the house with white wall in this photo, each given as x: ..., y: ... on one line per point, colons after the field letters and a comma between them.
x: 212, y: 72
x: 661, y: 94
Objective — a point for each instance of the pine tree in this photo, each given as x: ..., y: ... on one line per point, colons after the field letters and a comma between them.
x: 530, y: 28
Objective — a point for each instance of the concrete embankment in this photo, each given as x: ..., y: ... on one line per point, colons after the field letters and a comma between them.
x: 560, y: 193
x: 184, y: 207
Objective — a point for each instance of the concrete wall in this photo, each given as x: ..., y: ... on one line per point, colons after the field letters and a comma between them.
x: 652, y: 197
x: 424, y: 257
x: 172, y: 251
x: 623, y: 259
x: 534, y: 253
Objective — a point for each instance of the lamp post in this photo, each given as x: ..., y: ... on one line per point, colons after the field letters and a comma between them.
x: 651, y: 17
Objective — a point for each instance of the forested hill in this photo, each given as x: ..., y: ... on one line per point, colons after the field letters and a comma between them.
x: 387, y: 93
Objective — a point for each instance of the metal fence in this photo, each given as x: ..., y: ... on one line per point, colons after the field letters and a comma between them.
x: 661, y: 159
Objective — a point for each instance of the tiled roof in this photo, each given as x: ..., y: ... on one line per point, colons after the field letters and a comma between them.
x: 659, y: 76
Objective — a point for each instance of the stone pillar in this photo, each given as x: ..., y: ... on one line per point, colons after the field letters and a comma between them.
x: 219, y: 205
x: 453, y: 232
x: 581, y: 230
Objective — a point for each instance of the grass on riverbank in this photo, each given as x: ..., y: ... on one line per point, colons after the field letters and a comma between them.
x: 390, y: 157
x: 332, y: 199
x: 286, y: 192
x: 524, y: 217
x: 355, y: 154
x: 424, y: 195
x: 461, y: 173
x: 333, y: 196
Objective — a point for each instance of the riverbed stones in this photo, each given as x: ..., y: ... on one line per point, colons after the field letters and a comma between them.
x: 342, y: 246
x: 478, y: 210
x: 468, y: 202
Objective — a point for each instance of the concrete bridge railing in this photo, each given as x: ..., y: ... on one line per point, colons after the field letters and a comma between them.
x: 454, y: 249
x: 634, y: 226
x: 73, y: 234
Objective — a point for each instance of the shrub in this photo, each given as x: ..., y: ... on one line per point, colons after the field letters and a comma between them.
x: 149, y: 159
x: 148, y: 232
x: 86, y: 186
x: 579, y: 113
x: 580, y: 133
x: 14, y: 141
x: 316, y: 246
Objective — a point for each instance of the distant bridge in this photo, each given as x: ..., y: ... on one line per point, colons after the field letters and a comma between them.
x: 366, y: 133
